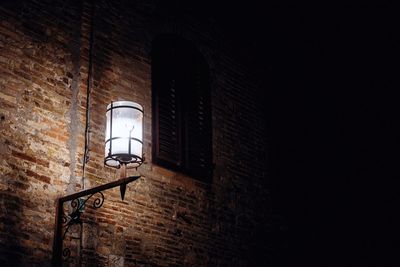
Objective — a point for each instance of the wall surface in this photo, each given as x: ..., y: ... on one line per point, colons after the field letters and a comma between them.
x: 44, y: 61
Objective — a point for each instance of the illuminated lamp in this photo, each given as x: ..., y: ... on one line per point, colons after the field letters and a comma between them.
x: 124, y: 135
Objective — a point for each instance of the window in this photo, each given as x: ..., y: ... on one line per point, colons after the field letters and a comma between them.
x: 181, y: 108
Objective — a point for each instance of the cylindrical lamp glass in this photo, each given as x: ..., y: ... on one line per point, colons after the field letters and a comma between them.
x: 124, y: 134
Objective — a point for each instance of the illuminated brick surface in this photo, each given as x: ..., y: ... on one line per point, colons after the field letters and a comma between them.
x: 44, y: 51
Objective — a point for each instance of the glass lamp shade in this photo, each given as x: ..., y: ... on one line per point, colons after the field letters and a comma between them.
x: 124, y: 134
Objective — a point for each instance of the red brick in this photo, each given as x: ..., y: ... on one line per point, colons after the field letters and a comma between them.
x: 45, y: 67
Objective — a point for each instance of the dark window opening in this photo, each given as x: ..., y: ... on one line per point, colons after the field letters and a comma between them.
x: 181, y: 108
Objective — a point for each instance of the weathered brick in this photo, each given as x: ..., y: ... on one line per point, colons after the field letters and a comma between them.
x: 167, y: 218
x: 42, y: 178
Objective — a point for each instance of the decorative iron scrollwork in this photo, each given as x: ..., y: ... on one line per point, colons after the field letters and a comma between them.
x: 77, y: 206
x: 66, y: 254
x: 68, y: 217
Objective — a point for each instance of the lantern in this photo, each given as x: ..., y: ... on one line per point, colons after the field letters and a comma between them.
x: 124, y: 134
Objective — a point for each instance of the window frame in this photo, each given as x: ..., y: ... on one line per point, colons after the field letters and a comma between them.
x: 199, y: 166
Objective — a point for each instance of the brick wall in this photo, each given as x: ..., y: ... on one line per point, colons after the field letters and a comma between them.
x: 44, y: 62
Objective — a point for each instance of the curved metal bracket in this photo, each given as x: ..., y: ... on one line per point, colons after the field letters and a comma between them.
x: 77, y: 203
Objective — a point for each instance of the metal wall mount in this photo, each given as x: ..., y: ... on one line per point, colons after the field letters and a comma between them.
x: 78, y: 201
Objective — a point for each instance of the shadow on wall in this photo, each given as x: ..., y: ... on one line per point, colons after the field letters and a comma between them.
x: 16, y: 200
x: 10, y: 216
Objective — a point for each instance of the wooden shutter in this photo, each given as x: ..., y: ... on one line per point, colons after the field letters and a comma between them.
x: 181, y: 109
x: 167, y: 139
x: 197, y: 121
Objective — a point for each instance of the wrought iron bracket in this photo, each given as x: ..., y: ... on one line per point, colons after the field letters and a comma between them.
x: 78, y: 201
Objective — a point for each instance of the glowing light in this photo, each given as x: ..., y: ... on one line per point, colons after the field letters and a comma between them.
x: 124, y: 134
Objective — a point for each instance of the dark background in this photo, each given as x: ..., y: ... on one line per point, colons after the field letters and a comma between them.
x: 334, y: 137
x: 333, y: 120
x: 328, y: 80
